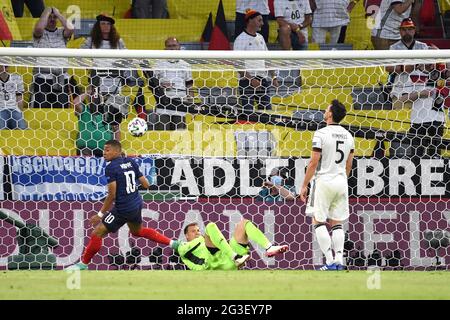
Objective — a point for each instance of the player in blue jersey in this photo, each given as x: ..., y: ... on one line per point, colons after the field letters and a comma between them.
x: 123, y: 176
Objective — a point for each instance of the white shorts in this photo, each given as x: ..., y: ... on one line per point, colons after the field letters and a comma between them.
x: 328, y: 199
x: 319, y: 34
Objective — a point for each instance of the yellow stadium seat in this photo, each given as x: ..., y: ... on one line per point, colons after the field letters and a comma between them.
x: 187, y: 10
x: 38, y: 142
x: 90, y: 9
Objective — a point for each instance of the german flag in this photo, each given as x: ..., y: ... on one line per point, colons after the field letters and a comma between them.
x: 8, y: 26
x: 219, y: 37
x: 5, y: 33
x: 207, y: 31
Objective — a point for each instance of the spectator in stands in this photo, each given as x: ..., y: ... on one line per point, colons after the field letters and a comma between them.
x: 50, y: 85
x: 261, y: 6
x: 255, y: 81
x: 275, y: 189
x: 11, y: 100
x: 107, y: 83
x: 293, y: 19
x: 411, y: 88
x: 171, y: 82
x: 328, y: 16
x: 36, y: 7
x: 147, y: 9
x: 93, y: 132
x: 387, y: 22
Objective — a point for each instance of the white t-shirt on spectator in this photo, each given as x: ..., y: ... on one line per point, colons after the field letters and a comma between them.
x: 293, y: 11
x: 8, y: 91
x: 107, y: 84
x: 387, y: 20
x: 421, y: 111
x: 248, y: 42
x: 176, y: 73
x: 262, y: 6
x: 331, y: 13
x: 50, y: 39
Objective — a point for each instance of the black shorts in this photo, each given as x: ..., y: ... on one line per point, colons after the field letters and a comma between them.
x: 114, y: 220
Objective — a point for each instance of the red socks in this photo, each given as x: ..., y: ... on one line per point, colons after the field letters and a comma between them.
x: 152, y: 234
x: 95, y: 243
x: 92, y: 248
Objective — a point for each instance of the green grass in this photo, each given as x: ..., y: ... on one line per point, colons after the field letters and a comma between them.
x: 212, y: 285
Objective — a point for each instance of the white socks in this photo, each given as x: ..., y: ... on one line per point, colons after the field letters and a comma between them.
x: 338, y: 238
x: 324, y: 239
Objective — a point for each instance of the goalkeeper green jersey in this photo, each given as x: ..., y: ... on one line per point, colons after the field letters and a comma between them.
x: 196, y: 256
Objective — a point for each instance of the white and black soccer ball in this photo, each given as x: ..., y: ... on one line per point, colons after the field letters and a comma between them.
x: 137, y: 127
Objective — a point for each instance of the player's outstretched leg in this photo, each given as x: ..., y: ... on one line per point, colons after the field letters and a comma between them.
x: 151, y: 234
x: 256, y: 235
x: 218, y: 240
x: 94, y: 245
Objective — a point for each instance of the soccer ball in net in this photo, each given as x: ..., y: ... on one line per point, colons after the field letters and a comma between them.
x: 137, y: 127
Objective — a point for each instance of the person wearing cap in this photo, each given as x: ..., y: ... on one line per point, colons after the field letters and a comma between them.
x: 293, y: 18
x: 412, y: 89
x: 255, y: 81
x: 104, y: 35
x: 106, y: 84
x: 50, y: 85
x: 387, y: 22
x: 261, y: 6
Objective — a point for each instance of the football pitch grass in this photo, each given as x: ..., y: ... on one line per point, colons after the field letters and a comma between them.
x: 223, y: 285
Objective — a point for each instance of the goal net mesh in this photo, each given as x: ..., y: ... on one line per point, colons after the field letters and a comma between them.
x: 213, y: 140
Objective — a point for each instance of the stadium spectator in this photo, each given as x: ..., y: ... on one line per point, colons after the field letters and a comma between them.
x: 123, y: 176
x: 293, y: 18
x: 255, y: 81
x: 240, y: 22
x: 328, y: 17
x: 147, y: 9
x: 50, y: 84
x: 171, y: 82
x: 36, y: 7
x: 11, y: 100
x: 387, y: 22
x: 93, y: 132
x: 107, y: 82
x: 333, y: 148
x: 411, y: 89
x: 275, y: 189
x: 213, y: 252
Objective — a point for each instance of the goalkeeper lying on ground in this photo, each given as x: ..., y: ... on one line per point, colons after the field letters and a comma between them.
x: 213, y: 252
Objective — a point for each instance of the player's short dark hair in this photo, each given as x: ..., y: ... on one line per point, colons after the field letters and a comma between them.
x: 114, y: 143
x: 192, y: 224
x: 338, y: 111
